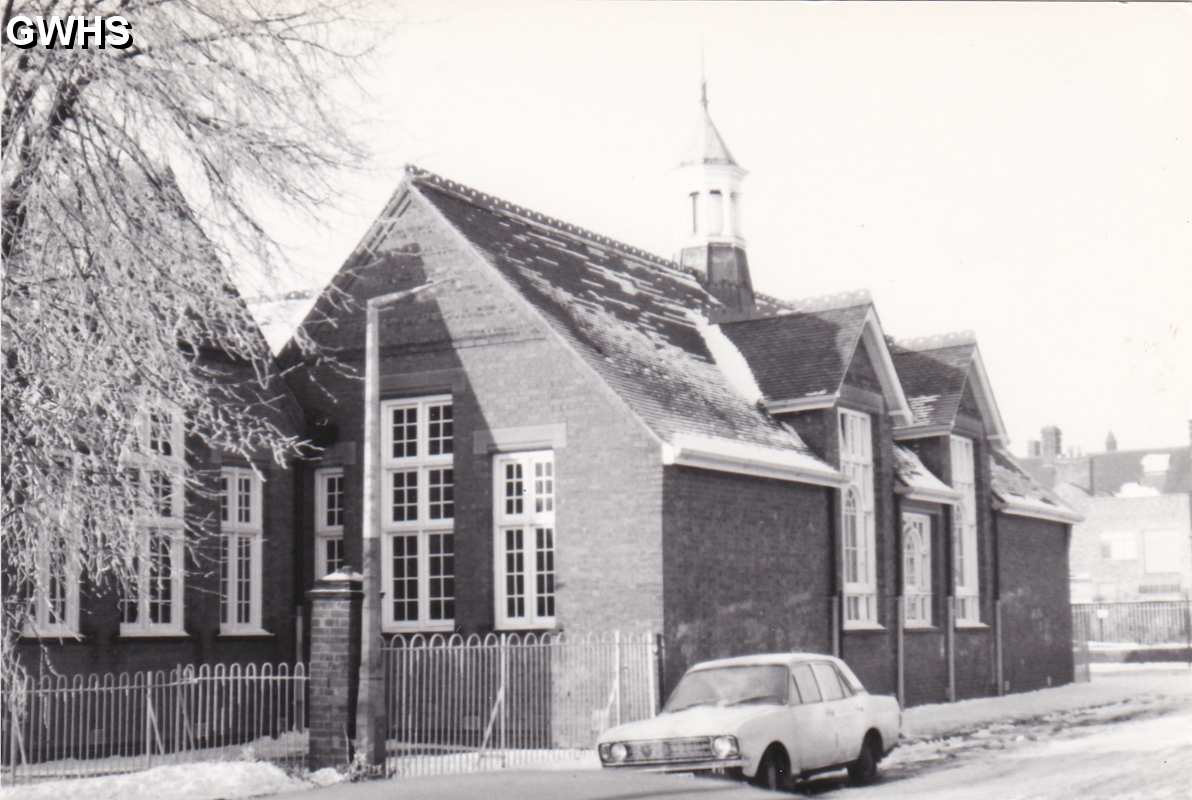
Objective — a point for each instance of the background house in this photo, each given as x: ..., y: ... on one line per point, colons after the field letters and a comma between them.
x: 1135, y: 543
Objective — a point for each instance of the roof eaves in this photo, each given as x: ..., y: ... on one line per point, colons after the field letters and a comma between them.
x: 724, y: 455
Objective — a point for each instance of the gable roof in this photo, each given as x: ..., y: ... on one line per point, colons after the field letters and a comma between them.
x: 634, y: 318
x: 935, y: 373
x: 1021, y: 495
x: 800, y: 357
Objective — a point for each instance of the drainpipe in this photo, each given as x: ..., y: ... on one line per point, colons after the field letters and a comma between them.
x: 370, y: 698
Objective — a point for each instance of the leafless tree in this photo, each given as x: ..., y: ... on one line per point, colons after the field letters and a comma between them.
x: 132, y: 181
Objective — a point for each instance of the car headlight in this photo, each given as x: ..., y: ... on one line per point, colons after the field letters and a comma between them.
x: 613, y: 753
x: 724, y: 746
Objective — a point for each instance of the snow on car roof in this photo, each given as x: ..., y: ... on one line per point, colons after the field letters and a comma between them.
x: 764, y: 659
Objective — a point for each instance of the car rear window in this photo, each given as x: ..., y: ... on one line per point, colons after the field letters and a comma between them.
x: 808, y: 691
x: 829, y: 681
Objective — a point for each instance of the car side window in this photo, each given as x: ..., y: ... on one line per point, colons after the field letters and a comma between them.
x: 829, y: 681
x: 850, y: 678
x: 808, y: 691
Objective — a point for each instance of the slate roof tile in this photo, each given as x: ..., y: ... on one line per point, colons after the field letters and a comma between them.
x: 632, y: 316
x: 933, y: 380
x: 802, y: 353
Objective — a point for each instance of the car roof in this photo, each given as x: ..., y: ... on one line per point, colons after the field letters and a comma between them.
x: 764, y: 659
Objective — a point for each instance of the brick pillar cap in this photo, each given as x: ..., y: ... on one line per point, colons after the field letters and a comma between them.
x: 343, y: 583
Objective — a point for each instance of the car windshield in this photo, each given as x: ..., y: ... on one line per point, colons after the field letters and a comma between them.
x: 729, y: 686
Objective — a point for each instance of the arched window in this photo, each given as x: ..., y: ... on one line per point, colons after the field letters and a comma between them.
x: 858, y: 535
x: 916, y: 568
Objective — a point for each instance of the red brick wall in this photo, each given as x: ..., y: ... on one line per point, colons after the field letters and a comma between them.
x: 505, y: 368
x: 102, y: 649
x: 746, y: 567
x: 1036, y: 616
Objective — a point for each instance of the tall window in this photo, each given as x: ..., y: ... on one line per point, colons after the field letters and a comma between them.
x: 916, y: 568
x: 240, y: 558
x: 858, y: 529
x: 524, y: 546
x: 964, y: 531
x: 54, y: 599
x: 695, y: 212
x: 418, y: 513
x: 329, y: 521
x: 152, y: 604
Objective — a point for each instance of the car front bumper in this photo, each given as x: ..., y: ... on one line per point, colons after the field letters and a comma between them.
x: 701, y: 765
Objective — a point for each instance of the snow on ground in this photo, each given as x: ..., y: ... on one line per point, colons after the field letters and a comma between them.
x: 201, y: 781
x: 951, y: 718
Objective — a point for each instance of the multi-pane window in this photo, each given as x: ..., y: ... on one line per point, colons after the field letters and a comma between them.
x: 152, y: 602
x: 240, y: 556
x: 418, y: 513
x: 916, y: 568
x: 857, y: 524
x: 524, y: 542
x: 329, y: 521
x: 964, y: 531
x: 53, y: 597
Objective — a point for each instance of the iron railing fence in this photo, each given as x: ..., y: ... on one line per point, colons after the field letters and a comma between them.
x: 458, y: 704
x: 1144, y: 623
x: 60, y: 727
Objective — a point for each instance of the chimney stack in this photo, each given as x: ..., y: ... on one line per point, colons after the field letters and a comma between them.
x: 1052, y: 442
x: 1110, y: 443
x: 1033, y: 448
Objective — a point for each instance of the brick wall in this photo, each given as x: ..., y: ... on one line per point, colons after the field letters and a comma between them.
x: 506, y: 371
x: 102, y: 648
x: 746, y: 567
x: 1036, y: 616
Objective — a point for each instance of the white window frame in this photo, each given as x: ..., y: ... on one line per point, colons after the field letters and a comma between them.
x: 535, y: 518
x: 916, y: 569
x: 422, y: 529
x: 148, y: 461
x: 41, y: 621
x: 233, y: 533
x: 965, y: 546
x: 857, y: 463
x: 326, y: 532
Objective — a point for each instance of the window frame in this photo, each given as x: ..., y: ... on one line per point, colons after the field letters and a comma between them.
x: 324, y: 531
x: 232, y: 532
x: 966, y: 553
x: 147, y: 462
x: 857, y: 461
x: 530, y: 520
x: 423, y: 529
x: 918, y: 598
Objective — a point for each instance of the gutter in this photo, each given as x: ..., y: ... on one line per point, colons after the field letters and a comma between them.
x: 721, y: 455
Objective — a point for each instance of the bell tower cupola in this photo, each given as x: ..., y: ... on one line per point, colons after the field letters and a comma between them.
x: 714, y: 245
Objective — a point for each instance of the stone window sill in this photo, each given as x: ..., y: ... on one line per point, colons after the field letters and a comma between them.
x: 863, y: 627
x: 244, y: 633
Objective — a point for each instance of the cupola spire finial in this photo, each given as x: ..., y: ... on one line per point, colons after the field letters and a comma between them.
x: 703, y: 77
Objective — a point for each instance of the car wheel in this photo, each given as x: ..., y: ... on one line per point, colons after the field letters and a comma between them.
x: 864, y: 769
x: 774, y: 771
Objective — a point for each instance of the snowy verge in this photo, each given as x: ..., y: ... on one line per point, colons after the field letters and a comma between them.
x: 208, y: 780
x: 946, y: 719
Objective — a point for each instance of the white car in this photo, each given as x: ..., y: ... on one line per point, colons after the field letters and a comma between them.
x: 767, y: 718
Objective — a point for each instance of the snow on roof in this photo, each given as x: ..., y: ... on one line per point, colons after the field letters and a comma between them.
x: 1022, y: 495
x: 629, y: 314
x: 726, y: 355
x: 917, y: 481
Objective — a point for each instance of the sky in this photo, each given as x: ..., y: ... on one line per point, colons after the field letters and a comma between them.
x: 1023, y: 171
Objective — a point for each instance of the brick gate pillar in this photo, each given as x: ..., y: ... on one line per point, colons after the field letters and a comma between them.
x: 334, y: 666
